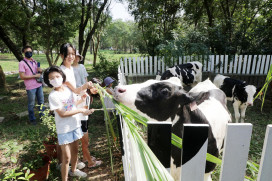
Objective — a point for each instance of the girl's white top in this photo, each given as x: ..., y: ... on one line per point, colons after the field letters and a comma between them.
x: 80, y: 74
x: 69, y: 72
x: 65, y: 101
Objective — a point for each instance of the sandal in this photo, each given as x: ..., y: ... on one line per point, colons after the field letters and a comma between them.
x: 92, y: 157
x: 97, y: 163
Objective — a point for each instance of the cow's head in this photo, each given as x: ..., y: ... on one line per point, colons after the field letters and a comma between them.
x: 158, y: 100
x: 166, y: 75
x: 251, y: 90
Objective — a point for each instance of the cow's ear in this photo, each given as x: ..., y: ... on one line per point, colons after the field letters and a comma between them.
x: 185, y: 98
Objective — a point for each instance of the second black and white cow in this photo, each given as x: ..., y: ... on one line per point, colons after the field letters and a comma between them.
x: 168, y: 101
x: 189, y: 73
x: 238, y: 92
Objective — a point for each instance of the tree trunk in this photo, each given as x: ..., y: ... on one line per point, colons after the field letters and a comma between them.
x: 13, y: 48
x: 2, y: 78
x: 89, y: 36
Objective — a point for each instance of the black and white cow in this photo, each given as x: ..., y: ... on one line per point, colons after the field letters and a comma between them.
x: 168, y: 101
x: 189, y: 73
x: 238, y: 92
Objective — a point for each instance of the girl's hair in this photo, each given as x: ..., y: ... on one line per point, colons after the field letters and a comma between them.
x: 50, y: 70
x: 64, y: 49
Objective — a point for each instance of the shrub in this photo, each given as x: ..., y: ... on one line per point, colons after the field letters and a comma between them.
x: 106, y: 68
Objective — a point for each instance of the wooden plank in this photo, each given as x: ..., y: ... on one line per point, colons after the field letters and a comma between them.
x: 212, y: 62
x: 163, y: 64
x: 235, y: 152
x: 159, y: 64
x: 240, y: 64
x: 126, y: 66
x: 262, y: 65
x: 184, y: 59
x: 194, y: 169
x: 249, y: 64
x: 180, y: 60
x: 155, y: 65
x: 159, y: 140
x: 205, y: 63
x: 142, y: 65
x: 146, y: 66
x: 258, y: 64
x: 150, y: 65
x: 254, y: 64
x: 231, y: 65
x: 235, y: 64
x: 138, y: 65
x: 244, y: 65
x: 226, y: 64
x: 267, y: 65
x: 217, y: 64
x: 209, y: 64
x: 129, y: 66
x: 121, y: 66
x: 134, y: 66
x: 221, y: 64
x: 266, y: 160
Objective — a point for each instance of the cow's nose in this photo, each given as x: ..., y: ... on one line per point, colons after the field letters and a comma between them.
x: 121, y: 90
x: 250, y: 104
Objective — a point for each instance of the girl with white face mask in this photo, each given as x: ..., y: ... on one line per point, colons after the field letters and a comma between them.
x: 63, y: 102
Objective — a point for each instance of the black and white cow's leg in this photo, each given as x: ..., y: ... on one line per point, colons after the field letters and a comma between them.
x: 236, y: 106
x: 243, y: 112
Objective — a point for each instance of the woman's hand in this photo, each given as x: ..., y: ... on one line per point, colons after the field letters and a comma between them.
x: 86, y: 112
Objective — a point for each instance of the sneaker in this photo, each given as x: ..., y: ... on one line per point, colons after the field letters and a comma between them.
x: 80, y: 165
x: 58, y: 166
x: 77, y: 173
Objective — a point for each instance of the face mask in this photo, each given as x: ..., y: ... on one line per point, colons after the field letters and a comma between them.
x: 56, y: 82
x: 28, y: 54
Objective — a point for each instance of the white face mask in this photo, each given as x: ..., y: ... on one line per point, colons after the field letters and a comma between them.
x: 56, y: 82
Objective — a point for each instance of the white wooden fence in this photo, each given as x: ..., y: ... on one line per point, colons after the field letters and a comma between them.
x: 238, y: 136
x: 234, y: 160
x: 224, y: 64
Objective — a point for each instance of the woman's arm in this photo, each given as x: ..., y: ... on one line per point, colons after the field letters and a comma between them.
x: 63, y: 113
x: 79, y: 89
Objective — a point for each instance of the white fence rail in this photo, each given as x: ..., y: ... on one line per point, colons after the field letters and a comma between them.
x: 224, y: 64
x: 234, y: 160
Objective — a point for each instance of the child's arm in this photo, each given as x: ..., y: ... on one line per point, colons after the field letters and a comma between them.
x: 63, y: 113
x: 109, y: 91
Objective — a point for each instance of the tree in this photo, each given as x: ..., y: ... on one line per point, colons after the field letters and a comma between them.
x: 96, y: 38
x: 56, y: 23
x: 16, y: 22
x: 156, y: 19
x: 87, y: 8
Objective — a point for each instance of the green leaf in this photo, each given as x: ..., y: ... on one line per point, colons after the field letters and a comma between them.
x: 13, y: 159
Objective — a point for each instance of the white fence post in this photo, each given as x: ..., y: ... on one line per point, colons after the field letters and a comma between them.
x: 194, y: 169
x: 265, y: 172
x: 235, y: 152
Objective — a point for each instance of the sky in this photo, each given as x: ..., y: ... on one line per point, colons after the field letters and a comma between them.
x: 120, y: 11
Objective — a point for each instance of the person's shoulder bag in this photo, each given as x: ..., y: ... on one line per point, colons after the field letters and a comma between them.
x: 39, y: 79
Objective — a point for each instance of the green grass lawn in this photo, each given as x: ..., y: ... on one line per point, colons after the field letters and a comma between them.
x: 17, y: 129
x: 17, y: 134
x: 10, y: 63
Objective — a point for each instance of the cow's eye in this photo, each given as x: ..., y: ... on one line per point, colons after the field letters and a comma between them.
x: 165, y: 91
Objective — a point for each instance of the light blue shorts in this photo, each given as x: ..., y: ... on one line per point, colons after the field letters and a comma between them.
x: 70, y: 137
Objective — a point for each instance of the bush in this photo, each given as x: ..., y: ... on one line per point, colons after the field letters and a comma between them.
x: 106, y: 68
